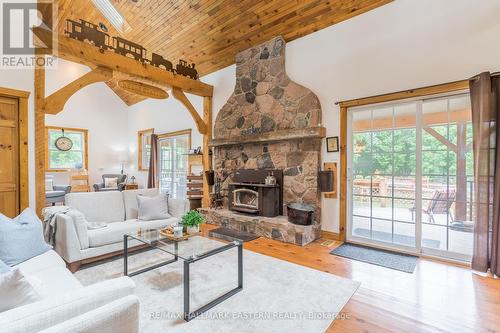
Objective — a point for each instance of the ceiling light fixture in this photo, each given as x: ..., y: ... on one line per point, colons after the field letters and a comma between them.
x: 112, y: 15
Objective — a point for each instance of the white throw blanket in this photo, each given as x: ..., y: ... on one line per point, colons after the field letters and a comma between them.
x: 49, y: 222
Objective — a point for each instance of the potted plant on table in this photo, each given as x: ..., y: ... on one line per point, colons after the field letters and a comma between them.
x: 192, y: 220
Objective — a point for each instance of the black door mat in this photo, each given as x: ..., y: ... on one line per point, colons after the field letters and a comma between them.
x: 398, y: 261
x: 232, y: 234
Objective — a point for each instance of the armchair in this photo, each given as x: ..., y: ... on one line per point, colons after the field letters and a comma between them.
x: 122, y: 180
x: 54, y: 193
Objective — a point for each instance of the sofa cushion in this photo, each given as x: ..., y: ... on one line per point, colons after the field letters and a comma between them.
x: 54, y: 281
x: 21, y: 238
x: 178, y: 207
x: 111, y: 182
x: 112, y: 233
x: 153, y: 208
x: 130, y: 200
x: 157, y: 224
x: 3, y: 267
x: 98, y: 206
x: 49, y: 259
x: 50, y: 311
x: 16, y: 290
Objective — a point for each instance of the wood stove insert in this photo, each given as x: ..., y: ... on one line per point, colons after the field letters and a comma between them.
x: 249, y: 193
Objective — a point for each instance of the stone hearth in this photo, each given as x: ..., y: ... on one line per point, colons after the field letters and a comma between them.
x: 270, y: 122
x: 277, y: 228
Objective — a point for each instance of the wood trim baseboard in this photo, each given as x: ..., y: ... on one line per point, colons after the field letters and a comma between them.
x: 330, y: 235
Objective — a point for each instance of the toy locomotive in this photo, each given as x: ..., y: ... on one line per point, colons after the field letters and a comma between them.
x: 85, y: 31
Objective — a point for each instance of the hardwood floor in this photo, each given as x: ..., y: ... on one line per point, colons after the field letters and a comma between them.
x: 437, y: 297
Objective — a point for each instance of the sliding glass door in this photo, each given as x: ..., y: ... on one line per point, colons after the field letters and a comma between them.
x: 173, y: 159
x: 410, y: 176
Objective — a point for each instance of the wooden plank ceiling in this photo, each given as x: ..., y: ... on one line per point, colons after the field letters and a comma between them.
x: 211, y: 32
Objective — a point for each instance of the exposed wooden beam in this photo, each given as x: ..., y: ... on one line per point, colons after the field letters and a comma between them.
x: 89, y: 55
x: 207, y: 158
x: 55, y: 102
x: 39, y: 135
x: 181, y: 97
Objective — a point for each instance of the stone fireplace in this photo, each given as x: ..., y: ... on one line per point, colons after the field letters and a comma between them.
x: 269, y: 123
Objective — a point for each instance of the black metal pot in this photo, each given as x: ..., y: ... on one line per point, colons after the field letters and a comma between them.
x: 299, y: 213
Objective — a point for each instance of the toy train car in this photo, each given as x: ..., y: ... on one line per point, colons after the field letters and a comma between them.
x: 129, y: 49
x: 84, y: 30
x: 183, y: 68
x: 158, y: 61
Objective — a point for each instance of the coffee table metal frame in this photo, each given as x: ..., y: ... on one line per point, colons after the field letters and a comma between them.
x: 188, y: 315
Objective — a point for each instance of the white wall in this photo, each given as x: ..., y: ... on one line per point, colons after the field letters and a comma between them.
x: 97, y: 109
x: 405, y: 44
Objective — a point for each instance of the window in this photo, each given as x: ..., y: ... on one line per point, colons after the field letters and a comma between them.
x: 411, y: 175
x: 144, y: 146
x: 173, y: 159
x: 75, y: 158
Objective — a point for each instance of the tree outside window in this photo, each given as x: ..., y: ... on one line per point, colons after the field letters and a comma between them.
x: 75, y: 158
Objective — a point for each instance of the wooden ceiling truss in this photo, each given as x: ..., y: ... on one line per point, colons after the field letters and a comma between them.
x: 107, y: 66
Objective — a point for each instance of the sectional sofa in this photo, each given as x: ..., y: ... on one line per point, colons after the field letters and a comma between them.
x: 77, y: 245
x: 67, y: 306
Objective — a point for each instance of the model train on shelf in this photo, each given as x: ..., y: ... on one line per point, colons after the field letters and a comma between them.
x: 85, y: 31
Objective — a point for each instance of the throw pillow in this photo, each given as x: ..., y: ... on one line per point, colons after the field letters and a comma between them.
x: 3, y: 267
x: 49, y: 185
x: 16, y: 290
x: 21, y: 238
x: 153, y: 208
x: 110, y: 182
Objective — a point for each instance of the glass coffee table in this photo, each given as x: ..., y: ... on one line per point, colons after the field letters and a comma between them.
x: 190, y: 251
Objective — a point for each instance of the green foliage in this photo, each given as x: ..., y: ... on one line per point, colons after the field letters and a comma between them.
x: 65, y: 159
x: 192, y: 219
x: 394, y: 151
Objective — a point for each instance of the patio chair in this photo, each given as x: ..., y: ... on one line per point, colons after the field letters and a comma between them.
x: 439, y: 204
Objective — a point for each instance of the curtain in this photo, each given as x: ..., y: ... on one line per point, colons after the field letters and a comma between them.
x: 485, y: 100
x: 153, y: 181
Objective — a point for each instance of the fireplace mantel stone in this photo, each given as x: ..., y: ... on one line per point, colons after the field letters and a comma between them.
x: 287, y: 134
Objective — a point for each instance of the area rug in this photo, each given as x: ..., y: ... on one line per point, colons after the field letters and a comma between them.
x: 398, y: 261
x: 232, y: 234
x: 277, y: 296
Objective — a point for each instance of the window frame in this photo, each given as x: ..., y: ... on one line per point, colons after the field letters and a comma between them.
x: 84, y: 131
x: 188, y: 133
x: 140, y: 147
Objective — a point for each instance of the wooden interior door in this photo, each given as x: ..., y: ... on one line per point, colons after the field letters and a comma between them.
x: 9, y: 156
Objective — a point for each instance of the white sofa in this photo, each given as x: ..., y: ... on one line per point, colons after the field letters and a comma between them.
x: 67, y: 306
x: 77, y: 245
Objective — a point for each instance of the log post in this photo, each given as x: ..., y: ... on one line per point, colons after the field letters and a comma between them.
x: 207, y: 158
x: 39, y: 134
